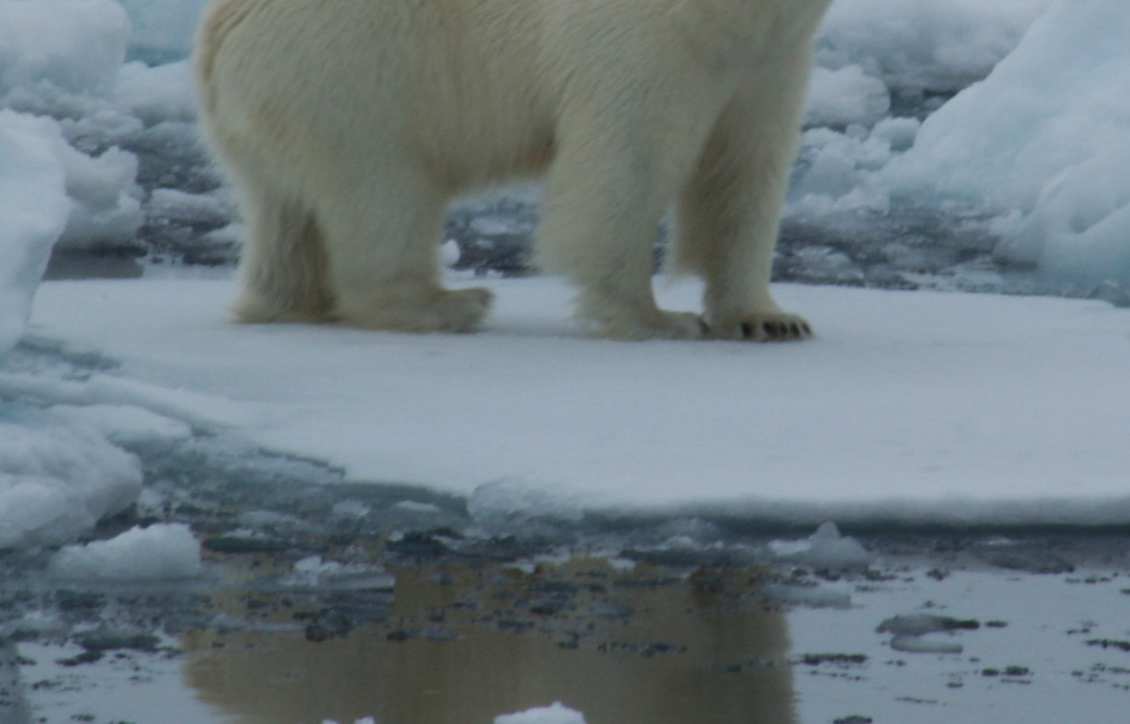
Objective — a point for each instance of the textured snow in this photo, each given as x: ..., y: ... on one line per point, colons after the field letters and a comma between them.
x: 1038, y: 148
x: 34, y: 207
x: 907, y: 406
x: 924, y: 45
x: 1045, y: 137
x: 67, y: 45
x: 161, y: 552
x: 57, y: 479
x: 557, y: 713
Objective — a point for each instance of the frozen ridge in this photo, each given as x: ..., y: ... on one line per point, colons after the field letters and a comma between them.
x: 907, y: 408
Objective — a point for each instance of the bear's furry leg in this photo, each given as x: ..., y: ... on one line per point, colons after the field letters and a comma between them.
x: 604, y: 199
x: 729, y: 212
x: 383, y: 236
x: 283, y: 264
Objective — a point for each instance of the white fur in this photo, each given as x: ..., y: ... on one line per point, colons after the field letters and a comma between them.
x: 348, y: 126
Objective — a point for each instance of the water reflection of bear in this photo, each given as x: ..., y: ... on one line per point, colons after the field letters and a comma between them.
x: 725, y: 675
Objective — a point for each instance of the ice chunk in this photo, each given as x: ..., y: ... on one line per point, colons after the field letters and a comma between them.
x: 414, y: 506
x: 125, y: 424
x: 1044, y: 135
x: 34, y: 207
x: 161, y: 93
x: 845, y: 96
x: 159, y: 552
x: 314, y: 572
x: 826, y: 548
x: 71, y: 45
x: 554, y: 714
x: 106, y: 208
x: 925, y: 645
x: 450, y: 254
x: 58, y: 480
x: 924, y: 45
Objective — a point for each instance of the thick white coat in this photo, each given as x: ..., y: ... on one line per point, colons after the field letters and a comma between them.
x: 349, y: 125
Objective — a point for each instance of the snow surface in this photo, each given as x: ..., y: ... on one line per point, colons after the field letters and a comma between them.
x: 907, y: 406
x: 161, y: 552
x: 554, y: 714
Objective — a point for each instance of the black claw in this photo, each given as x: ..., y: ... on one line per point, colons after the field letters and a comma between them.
x: 747, y: 330
x: 770, y: 329
x: 794, y: 329
x: 807, y: 329
x: 703, y: 327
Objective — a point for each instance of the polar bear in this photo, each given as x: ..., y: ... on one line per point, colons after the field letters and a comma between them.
x: 349, y: 125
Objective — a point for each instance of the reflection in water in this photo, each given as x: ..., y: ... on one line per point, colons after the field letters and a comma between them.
x: 461, y: 647
x: 13, y: 705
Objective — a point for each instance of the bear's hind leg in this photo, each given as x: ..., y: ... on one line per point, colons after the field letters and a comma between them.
x: 382, y: 237
x: 283, y: 263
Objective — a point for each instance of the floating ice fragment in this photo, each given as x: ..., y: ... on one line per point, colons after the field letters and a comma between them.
x: 925, y: 645
x: 826, y: 548
x: 314, y: 572
x: 450, y: 254
x: 413, y: 506
x: 555, y: 714
x: 912, y: 633
x: 159, y: 552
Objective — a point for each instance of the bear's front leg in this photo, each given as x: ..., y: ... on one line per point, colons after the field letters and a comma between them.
x: 729, y: 212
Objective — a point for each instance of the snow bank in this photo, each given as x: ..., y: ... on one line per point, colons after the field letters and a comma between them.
x: 69, y: 45
x: 924, y: 45
x: 61, y: 59
x: 1034, y: 155
x: 555, y: 714
x: 34, y: 207
x: 1047, y: 137
x: 56, y: 479
x: 159, y: 552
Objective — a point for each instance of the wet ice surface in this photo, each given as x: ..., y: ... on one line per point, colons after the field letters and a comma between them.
x: 326, y: 584
x: 319, y: 599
